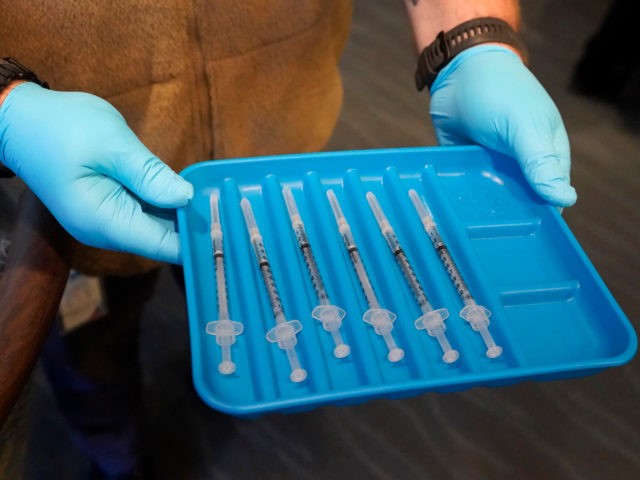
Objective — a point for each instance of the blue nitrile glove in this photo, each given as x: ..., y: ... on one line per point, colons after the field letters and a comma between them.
x: 77, y: 154
x: 487, y: 96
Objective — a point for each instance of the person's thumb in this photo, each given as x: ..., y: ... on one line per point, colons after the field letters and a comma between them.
x: 546, y: 163
x: 150, y: 179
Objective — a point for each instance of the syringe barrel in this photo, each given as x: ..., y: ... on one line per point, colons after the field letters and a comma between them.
x: 263, y: 263
x: 258, y: 248
x: 442, y: 250
x: 310, y: 261
x: 454, y: 273
x: 383, y: 223
x: 223, y: 307
x: 216, y: 240
x: 412, y: 279
x: 365, y: 283
x: 269, y: 282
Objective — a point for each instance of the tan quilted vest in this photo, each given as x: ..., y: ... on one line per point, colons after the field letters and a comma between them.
x: 196, y: 80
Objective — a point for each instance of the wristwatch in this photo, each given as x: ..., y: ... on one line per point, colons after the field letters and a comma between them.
x: 10, y: 71
x: 447, y: 45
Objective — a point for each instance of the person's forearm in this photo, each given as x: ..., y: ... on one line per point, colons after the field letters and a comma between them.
x: 429, y: 17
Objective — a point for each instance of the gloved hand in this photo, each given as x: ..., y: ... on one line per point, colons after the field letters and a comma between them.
x: 487, y: 96
x: 77, y: 154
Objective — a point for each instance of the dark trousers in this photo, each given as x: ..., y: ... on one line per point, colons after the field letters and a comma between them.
x: 95, y: 375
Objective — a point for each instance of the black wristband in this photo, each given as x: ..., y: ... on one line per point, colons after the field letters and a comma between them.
x: 12, y: 70
x: 466, y: 35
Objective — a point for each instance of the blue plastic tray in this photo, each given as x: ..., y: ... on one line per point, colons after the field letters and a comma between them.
x: 552, y: 313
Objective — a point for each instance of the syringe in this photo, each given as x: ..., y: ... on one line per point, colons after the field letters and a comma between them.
x: 224, y: 329
x: 380, y: 318
x: 476, y: 315
x: 284, y: 333
x: 431, y: 320
x: 329, y: 315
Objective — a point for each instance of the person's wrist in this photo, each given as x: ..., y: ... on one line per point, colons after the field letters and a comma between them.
x: 6, y: 91
x: 447, y: 45
x: 506, y: 46
x: 6, y: 172
x: 491, y: 52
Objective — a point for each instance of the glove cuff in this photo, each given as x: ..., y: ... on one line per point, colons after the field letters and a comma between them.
x: 10, y: 71
x: 447, y: 45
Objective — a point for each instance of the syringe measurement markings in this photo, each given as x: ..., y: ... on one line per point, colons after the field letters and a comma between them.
x: 443, y: 252
x: 305, y: 246
x: 223, y: 307
x: 401, y: 258
x: 269, y: 280
x: 407, y: 270
x: 450, y: 266
x: 218, y: 255
x: 412, y: 279
x: 314, y: 271
x: 363, y: 277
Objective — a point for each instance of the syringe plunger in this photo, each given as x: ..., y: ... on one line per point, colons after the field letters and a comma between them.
x: 284, y: 334
x: 433, y: 323
x: 382, y: 322
x: 225, y: 332
x: 331, y: 318
x: 478, y: 318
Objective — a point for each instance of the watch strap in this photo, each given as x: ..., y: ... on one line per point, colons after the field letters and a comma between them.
x: 447, y: 45
x: 11, y: 70
x: 6, y: 172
